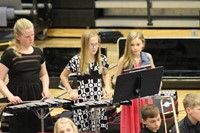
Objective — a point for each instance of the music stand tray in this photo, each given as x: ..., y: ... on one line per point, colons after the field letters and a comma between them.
x: 138, y: 83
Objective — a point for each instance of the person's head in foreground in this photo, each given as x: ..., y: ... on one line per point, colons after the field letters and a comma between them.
x: 151, y: 117
x: 191, y: 103
x: 65, y: 125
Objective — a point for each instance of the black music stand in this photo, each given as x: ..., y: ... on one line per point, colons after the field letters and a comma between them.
x: 136, y: 84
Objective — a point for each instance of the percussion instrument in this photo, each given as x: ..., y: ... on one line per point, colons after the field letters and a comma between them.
x: 92, y: 104
x: 36, y: 105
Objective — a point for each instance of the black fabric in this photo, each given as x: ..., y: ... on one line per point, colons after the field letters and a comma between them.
x: 26, y: 91
x: 146, y: 130
x: 112, y: 128
x: 21, y: 123
x: 76, y: 4
x: 186, y: 126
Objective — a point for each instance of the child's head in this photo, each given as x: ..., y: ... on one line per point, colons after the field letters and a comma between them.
x: 65, y: 125
x: 20, y: 26
x: 134, y: 38
x: 23, y: 34
x: 151, y: 117
x: 191, y: 103
x: 90, y: 47
x: 86, y: 39
x: 134, y: 45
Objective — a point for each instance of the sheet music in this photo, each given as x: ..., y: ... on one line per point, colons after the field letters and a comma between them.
x: 137, y: 69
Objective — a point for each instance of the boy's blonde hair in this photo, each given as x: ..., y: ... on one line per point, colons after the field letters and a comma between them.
x: 191, y: 100
x: 127, y: 58
x: 65, y: 120
x: 149, y: 111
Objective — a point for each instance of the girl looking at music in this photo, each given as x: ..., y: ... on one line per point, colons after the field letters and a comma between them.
x: 65, y: 125
x: 133, y: 57
x: 28, y: 77
x: 91, y: 68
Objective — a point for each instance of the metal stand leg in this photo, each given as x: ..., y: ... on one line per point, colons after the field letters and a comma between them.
x: 42, y: 120
x: 95, y: 120
x: 42, y: 115
x: 95, y: 117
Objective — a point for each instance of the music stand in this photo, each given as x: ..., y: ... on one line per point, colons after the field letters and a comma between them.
x: 136, y: 84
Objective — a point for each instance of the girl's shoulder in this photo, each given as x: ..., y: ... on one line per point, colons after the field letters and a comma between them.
x: 37, y: 49
x: 74, y: 58
x: 9, y: 50
x: 146, y: 54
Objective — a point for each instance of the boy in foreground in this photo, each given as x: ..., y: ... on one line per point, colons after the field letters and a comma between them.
x: 150, y: 118
x: 190, y: 123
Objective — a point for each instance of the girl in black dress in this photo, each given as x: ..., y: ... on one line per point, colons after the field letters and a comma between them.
x: 27, y: 75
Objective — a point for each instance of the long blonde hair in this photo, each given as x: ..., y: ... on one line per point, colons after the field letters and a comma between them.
x: 20, y: 25
x: 65, y: 120
x: 127, y: 57
x: 84, y: 65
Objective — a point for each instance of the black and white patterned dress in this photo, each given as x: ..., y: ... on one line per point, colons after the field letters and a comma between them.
x: 89, y: 87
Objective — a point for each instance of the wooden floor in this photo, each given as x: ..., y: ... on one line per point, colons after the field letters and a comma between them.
x: 71, y: 38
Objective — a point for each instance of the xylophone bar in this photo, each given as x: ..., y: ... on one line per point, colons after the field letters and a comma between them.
x: 92, y: 104
x: 26, y: 106
x: 57, y: 102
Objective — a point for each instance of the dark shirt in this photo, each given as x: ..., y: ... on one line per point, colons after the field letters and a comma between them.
x: 146, y: 130
x: 186, y: 126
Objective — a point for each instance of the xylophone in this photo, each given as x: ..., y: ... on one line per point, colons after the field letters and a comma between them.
x: 92, y: 104
x: 36, y: 105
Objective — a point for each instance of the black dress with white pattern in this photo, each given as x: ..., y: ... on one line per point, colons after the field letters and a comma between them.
x: 89, y: 87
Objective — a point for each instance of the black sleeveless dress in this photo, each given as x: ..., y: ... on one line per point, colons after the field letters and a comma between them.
x: 24, y: 81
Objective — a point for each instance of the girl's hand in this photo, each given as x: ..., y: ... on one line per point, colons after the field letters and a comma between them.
x: 15, y: 99
x: 46, y: 94
x: 107, y: 92
x: 73, y: 95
